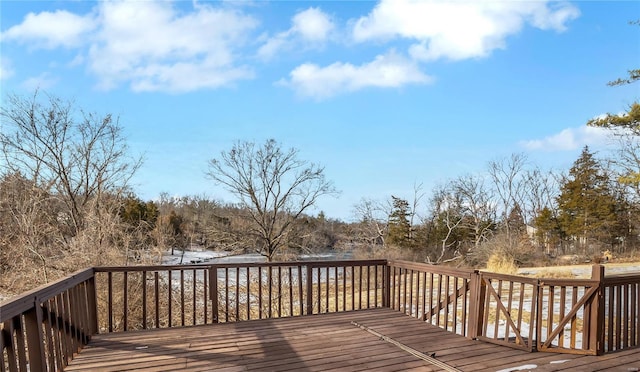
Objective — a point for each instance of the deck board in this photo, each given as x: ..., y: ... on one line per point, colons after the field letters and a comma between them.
x: 316, y: 343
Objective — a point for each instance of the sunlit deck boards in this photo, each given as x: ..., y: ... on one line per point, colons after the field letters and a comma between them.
x: 317, y: 342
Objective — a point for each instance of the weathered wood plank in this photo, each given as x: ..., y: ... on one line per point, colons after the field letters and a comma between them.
x: 310, y: 343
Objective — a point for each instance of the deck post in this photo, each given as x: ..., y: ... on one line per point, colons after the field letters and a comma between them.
x: 596, y: 318
x: 35, y: 339
x: 476, y: 305
x: 386, y: 282
x: 92, y: 305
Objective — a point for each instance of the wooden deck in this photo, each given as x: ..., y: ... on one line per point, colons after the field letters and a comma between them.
x: 323, y: 342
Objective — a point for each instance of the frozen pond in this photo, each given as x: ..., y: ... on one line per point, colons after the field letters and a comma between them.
x: 188, y: 257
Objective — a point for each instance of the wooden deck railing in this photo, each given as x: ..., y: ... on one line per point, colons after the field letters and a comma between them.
x: 41, y: 330
x: 621, y: 304
x: 435, y: 294
x: 44, y: 328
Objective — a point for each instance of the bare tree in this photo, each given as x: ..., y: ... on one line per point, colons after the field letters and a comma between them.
x: 540, y: 190
x: 477, y: 202
x: 274, y: 186
x: 418, y: 194
x: 506, y: 175
x: 79, y: 157
x: 446, y: 218
x: 373, y: 217
x: 62, y: 176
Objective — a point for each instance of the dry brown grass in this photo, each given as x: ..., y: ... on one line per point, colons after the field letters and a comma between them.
x: 501, y: 264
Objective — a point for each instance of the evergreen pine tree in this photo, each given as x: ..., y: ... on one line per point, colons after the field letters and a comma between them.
x: 399, y: 226
x: 586, y: 204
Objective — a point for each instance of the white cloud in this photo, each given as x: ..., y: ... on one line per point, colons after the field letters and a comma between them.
x: 312, y: 24
x: 458, y: 29
x: 51, y: 30
x: 43, y: 81
x: 6, y: 71
x: 388, y: 71
x: 149, y: 45
x: 570, y: 139
x: 156, y: 48
x: 310, y: 28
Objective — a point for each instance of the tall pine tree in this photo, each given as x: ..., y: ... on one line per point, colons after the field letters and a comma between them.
x: 399, y: 226
x: 587, y: 205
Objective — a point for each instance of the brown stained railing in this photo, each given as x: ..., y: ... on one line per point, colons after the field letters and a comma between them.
x: 621, y: 301
x: 506, y: 310
x: 142, y: 297
x: 43, y: 329
x: 570, y: 314
x: 435, y: 294
x: 281, y: 289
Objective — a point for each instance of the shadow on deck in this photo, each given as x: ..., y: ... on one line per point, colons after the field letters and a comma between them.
x: 324, y: 342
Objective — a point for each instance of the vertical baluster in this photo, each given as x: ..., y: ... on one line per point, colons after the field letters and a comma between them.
x: 327, y: 289
x: 375, y: 284
x: 633, y: 341
x: 625, y: 320
x: 125, y: 300
x: 169, y: 295
x: 335, y: 283
x: 454, y: 326
x: 248, y: 284
x: 194, y: 280
x: 368, y: 287
x: 359, y: 287
x: 463, y: 328
x: 410, y: 292
x: 279, y: 291
x: 270, y: 279
x: 300, y: 292
x: 182, y: 309
x: 109, y: 300
x: 226, y: 294
x: 144, y: 299
x: 49, y: 336
x: 551, y: 307
x: 237, y: 293
x: 521, y: 310
x: 431, y: 284
x: 447, y: 293
x: 418, y: 292
x: 344, y: 288
x: 353, y: 284
x: 439, y: 301
x: 205, y: 292
x: 291, y: 291
x: 259, y: 292
x: 562, y: 304
x: 618, y: 331
x: 157, y: 298
x: 574, y: 319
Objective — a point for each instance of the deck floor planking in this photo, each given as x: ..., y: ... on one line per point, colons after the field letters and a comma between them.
x: 316, y: 343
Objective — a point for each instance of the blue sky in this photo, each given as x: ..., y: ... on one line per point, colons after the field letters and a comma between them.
x: 384, y: 94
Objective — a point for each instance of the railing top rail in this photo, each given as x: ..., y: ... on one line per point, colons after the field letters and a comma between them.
x: 560, y: 282
x: 25, y: 301
x: 341, y: 263
x: 113, y: 269
x: 326, y: 263
x: 510, y: 278
x: 443, y: 270
x: 631, y: 278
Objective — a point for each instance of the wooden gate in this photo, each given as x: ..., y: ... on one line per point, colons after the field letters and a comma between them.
x: 507, y: 308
